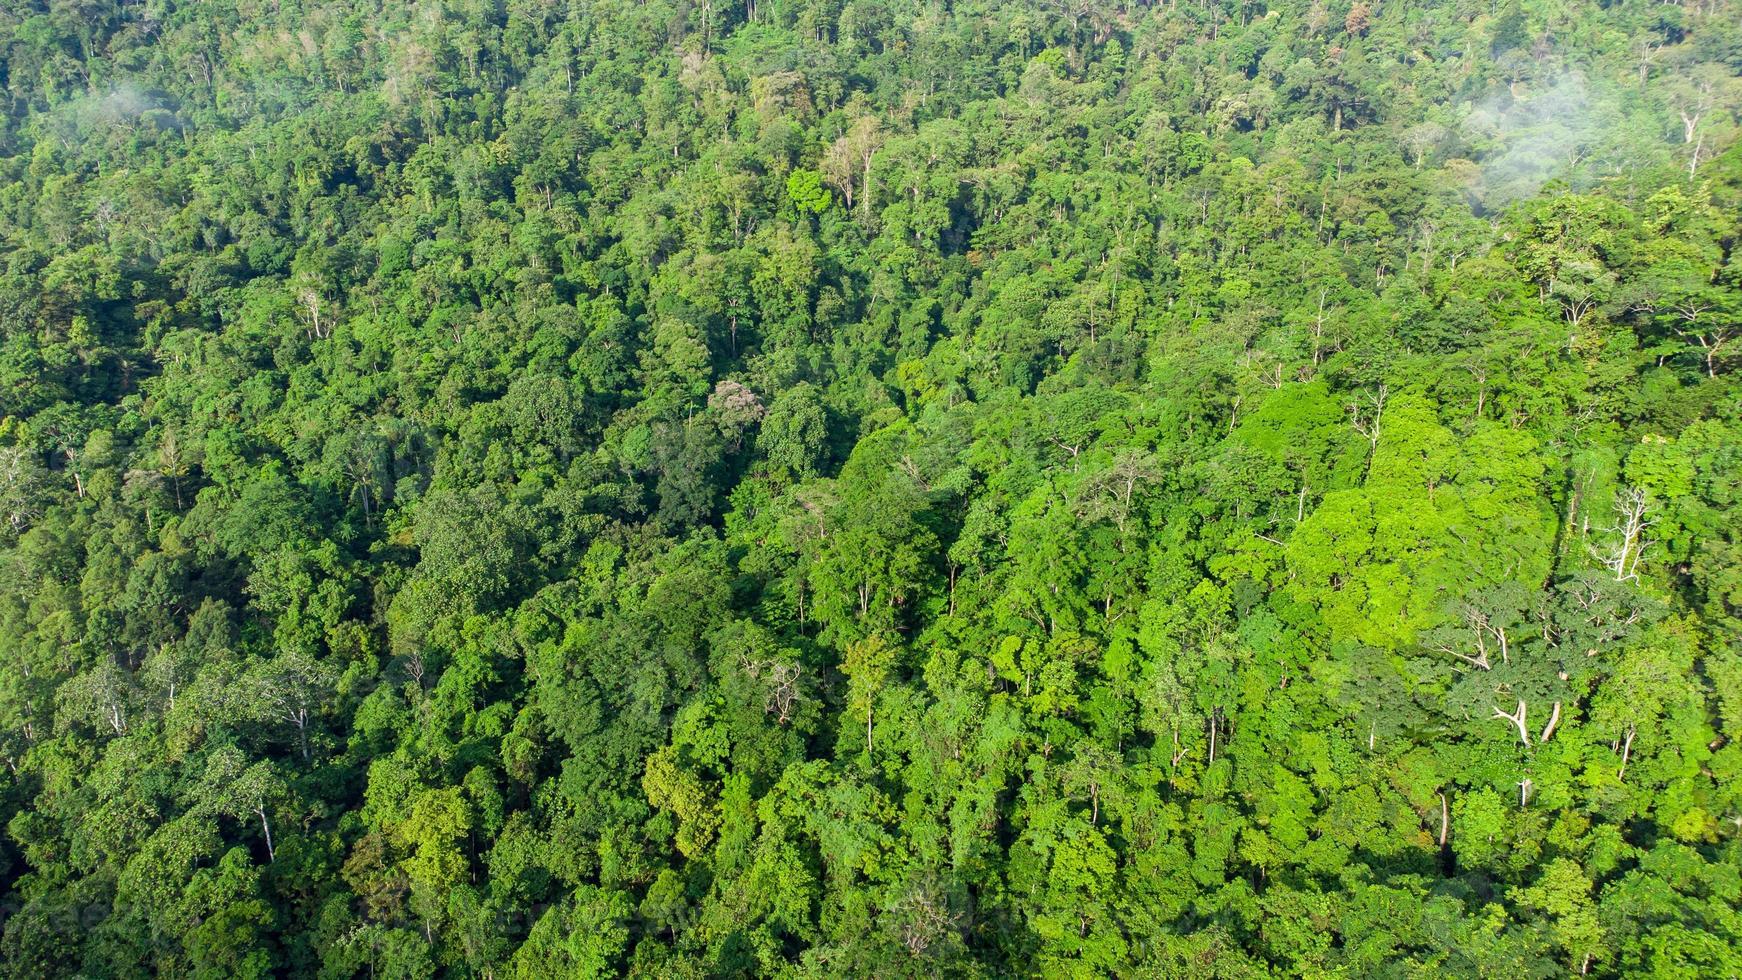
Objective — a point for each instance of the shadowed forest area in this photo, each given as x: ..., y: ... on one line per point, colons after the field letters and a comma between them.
x: 884, y: 488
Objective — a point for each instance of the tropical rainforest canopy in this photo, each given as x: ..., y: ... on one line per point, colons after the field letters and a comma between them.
x: 803, y: 488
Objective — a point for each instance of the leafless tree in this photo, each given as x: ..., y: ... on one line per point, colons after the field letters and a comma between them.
x: 1627, y: 542
x: 925, y: 917
x: 849, y: 157
x: 290, y: 688
x: 1366, y: 412
x: 21, y: 482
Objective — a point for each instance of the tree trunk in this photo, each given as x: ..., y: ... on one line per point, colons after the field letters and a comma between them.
x: 267, y: 829
x: 1554, y: 720
x: 1517, y: 722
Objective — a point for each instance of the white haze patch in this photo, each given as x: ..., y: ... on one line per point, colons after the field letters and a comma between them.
x: 124, y: 102
x: 1540, y: 135
x: 124, y: 106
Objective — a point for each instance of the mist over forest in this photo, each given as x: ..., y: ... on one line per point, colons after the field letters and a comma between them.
x: 870, y: 488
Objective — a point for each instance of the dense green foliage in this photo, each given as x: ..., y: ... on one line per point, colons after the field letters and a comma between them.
x: 521, y: 488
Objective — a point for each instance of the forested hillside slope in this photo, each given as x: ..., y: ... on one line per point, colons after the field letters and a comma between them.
x: 526, y: 488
